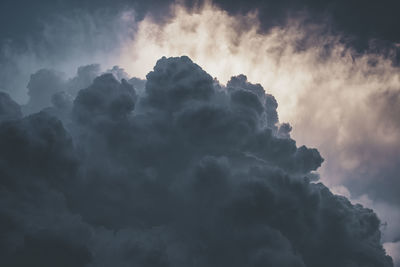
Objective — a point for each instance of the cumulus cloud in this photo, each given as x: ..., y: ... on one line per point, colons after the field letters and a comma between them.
x: 189, y: 172
x: 337, y: 99
x: 49, y: 89
x: 105, y: 97
x: 342, y: 100
x: 41, y: 87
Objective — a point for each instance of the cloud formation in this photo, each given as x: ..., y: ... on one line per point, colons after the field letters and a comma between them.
x: 187, y: 173
x: 326, y: 76
x: 339, y: 100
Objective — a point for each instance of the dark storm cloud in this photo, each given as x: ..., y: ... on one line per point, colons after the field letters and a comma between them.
x: 8, y: 108
x: 84, y: 77
x: 66, y: 38
x: 15, y: 28
x: 37, y: 163
x: 356, y: 19
x: 105, y: 97
x: 187, y: 173
x: 48, y: 87
x: 365, y: 18
x: 41, y: 87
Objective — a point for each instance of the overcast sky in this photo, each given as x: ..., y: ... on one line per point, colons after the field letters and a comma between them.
x: 320, y: 88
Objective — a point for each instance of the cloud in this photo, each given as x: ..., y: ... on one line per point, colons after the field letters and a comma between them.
x: 106, y: 97
x: 393, y: 248
x: 189, y: 172
x: 84, y: 77
x: 8, y: 108
x: 41, y: 87
x: 354, y: 19
x: 324, y: 87
x: 64, y: 42
x: 336, y: 99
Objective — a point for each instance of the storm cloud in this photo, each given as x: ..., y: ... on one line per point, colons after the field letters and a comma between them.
x: 332, y: 66
x: 339, y: 100
x: 187, y: 172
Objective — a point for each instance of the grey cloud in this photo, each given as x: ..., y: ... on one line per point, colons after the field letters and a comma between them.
x: 106, y: 97
x: 177, y: 81
x: 41, y: 87
x: 268, y: 101
x: 63, y: 41
x: 138, y: 84
x: 284, y: 130
x: 387, y: 103
x: 84, y: 77
x: 9, y: 109
x: 359, y: 22
x: 186, y: 174
x: 49, y: 90
x: 119, y: 73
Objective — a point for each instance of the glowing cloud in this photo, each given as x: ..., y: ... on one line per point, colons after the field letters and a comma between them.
x: 336, y: 100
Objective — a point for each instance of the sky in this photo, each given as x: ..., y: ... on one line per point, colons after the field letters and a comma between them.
x: 168, y: 133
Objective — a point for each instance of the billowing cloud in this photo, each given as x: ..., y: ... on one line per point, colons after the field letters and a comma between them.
x: 335, y: 85
x: 41, y: 87
x: 188, y: 172
x: 337, y: 99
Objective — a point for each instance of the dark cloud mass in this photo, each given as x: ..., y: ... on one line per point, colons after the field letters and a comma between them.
x: 362, y: 20
x: 185, y: 172
x: 42, y: 85
x: 8, y: 108
x: 359, y: 20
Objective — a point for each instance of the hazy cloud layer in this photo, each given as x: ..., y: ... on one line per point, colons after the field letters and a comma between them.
x: 359, y: 20
x: 65, y: 42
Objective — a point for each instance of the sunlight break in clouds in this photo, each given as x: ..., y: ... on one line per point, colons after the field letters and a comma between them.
x: 335, y: 99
